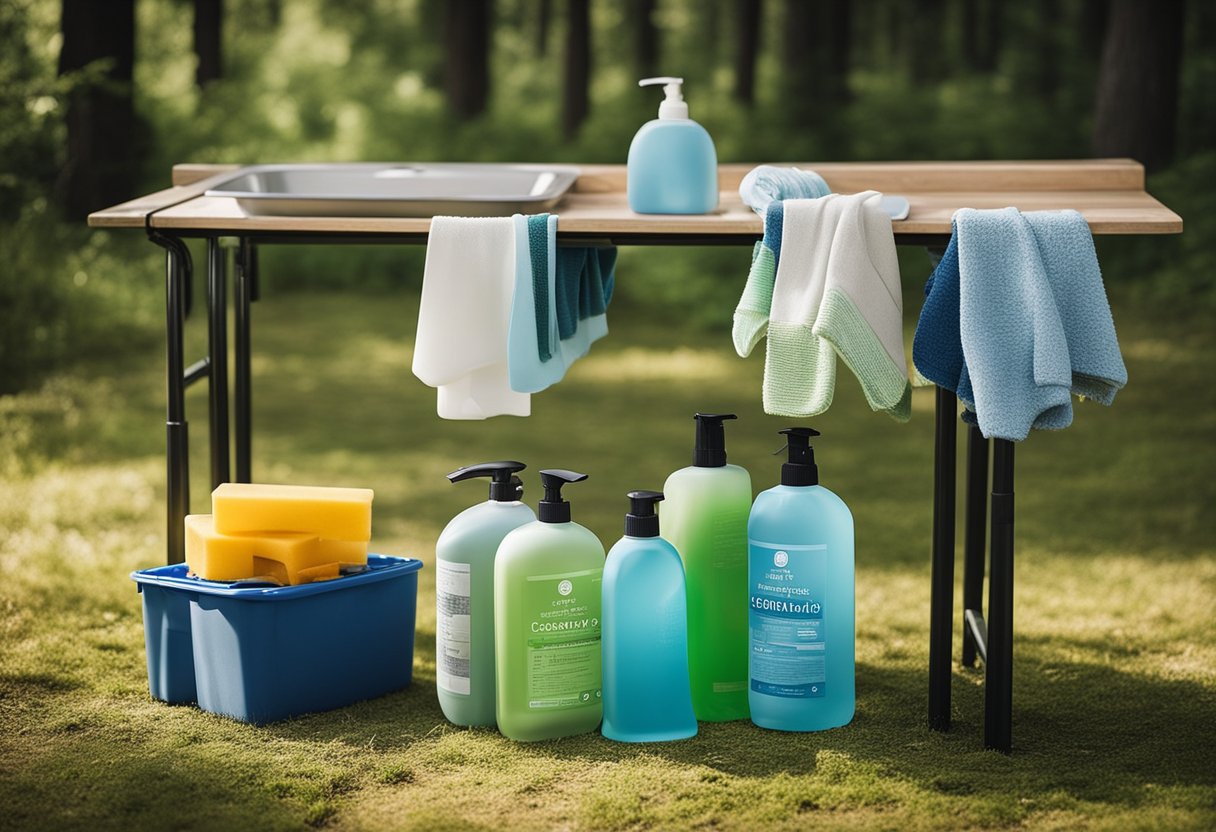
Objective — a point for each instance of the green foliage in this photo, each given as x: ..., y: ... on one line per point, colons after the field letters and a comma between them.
x: 30, y: 132
x: 67, y: 292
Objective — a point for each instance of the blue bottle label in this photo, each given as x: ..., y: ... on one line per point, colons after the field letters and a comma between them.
x: 785, y: 618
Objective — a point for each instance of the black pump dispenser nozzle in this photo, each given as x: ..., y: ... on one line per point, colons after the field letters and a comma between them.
x: 641, y: 521
x: 553, y: 509
x: 801, y: 468
x: 505, y: 487
x: 710, y: 450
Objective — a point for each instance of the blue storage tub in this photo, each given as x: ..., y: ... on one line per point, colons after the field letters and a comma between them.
x: 259, y: 654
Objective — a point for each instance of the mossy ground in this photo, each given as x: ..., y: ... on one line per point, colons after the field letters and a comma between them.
x: 1115, y: 671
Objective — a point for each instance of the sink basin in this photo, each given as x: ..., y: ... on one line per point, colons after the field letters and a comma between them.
x: 397, y: 190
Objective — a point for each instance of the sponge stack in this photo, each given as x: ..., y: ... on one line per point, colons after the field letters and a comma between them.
x: 286, y: 534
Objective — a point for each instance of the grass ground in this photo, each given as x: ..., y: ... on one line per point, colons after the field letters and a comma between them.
x: 1115, y: 673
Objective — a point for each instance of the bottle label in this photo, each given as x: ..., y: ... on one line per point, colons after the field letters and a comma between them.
x: 785, y: 618
x: 564, y: 639
x: 453, y: 625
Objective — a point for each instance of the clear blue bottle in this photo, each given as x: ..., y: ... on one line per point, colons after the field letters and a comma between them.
x: 673, y: 166
x: 647, y: 694
x: 801, y: 600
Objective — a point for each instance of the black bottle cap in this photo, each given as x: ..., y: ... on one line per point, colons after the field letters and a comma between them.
x: 710, y: 450
x: 801, y: 468
x: 641, y: 521
x: 553, y: 509
x: 505, y: 487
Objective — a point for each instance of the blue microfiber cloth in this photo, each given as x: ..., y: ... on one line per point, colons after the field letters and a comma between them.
x: 538, y: 250
x: 1016, y: 318
x: 766, y: 184
x: 532, y: 319
x: 1067, y: 248
x: 559, y: 304
x: 584, y: 283
x: 937, y: 347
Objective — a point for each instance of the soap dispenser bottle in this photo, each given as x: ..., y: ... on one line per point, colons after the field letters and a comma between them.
x: 548, y: 578
x: 705, y: 518
x: 464, y: 593
x: 673, y: 166
x: 801, y: 605
x: 647, y: 697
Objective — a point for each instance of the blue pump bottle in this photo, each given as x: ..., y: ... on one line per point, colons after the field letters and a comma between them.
x: 673, y: 166
x: 647, y: 693
x: 801, y: 599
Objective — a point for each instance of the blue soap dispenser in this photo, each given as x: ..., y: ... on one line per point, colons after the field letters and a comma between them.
x: 647, y: 693
x: 673, y: 166
x: 800, y: 599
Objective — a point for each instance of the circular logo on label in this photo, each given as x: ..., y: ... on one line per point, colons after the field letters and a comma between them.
x: 586, y: 697
x: 565, y: 588
x: 781, y: 559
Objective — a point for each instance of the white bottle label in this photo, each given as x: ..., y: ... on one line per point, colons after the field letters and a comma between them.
x: 453, y: 620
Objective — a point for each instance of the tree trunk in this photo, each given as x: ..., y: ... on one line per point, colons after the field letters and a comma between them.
x: 836, y: 21
x: 577, y: 77
x: 749, y: 16
x: 208, y: 40
x: 1137, y: 100
x: 1092, y: 27
x: 924, y: 33
x: 994, y: 22
x: 645, y: 38
x: 466, y: 35
x: 544, y: 14
x: 100, y: 168
x: 816, y: 56
x: 970, y: 26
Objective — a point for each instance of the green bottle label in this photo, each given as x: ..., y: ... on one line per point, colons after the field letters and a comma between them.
x: 564, y: 639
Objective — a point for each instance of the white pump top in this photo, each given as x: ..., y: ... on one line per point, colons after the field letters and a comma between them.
x: 674, y: 106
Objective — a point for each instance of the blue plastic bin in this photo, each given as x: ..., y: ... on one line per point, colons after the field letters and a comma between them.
x: 259, y: 654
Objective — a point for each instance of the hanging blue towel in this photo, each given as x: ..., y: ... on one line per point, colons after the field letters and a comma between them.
x: 1016, y: 318
x: 1067, y: 248
x: 559, y: 306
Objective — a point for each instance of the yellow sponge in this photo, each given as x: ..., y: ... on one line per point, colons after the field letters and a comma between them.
x: 329, y: 513
x: 286, y: 557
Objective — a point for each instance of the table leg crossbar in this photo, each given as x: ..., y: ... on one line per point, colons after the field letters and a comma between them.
x: 989, y: 639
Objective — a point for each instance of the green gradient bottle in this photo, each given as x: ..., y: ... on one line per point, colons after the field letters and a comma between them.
x: 705, y: 518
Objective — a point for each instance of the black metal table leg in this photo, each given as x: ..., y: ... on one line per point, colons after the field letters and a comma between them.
x: 217, y: 349
x: 998, y: 666
x: 975, y: 531
x: 177, y: 443
x: 246, y: 273
x: 941, y: 600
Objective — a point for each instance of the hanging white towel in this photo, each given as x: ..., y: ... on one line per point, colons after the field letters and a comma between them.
x: 464, y: 317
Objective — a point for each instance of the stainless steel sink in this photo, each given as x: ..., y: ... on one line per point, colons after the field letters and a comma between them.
x: 397, y: 190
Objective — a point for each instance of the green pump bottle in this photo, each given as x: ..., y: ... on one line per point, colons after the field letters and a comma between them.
x: 548, y: 578
x: 705, y: 518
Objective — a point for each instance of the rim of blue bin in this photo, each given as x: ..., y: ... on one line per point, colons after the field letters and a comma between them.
x: 379, y: 568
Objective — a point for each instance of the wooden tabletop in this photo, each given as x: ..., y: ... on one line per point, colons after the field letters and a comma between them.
x: 1108, y: 192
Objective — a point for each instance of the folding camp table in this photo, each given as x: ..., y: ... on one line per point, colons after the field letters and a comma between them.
x: 1110, y: 193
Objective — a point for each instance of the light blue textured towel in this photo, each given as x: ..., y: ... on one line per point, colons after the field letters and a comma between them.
x: 559, y: 306
x: 528, y: 372
x: 766, y: 184
x: 1016, y: 319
